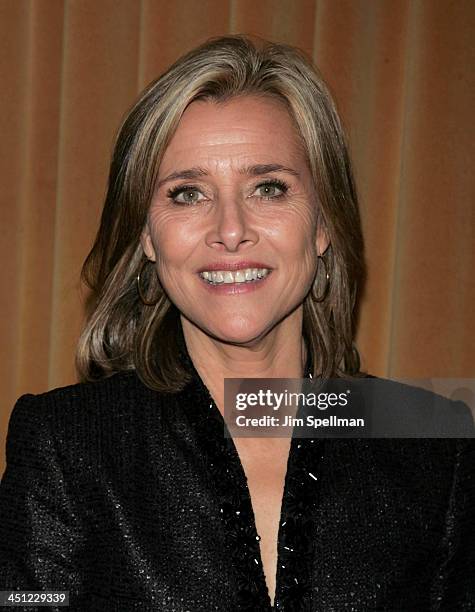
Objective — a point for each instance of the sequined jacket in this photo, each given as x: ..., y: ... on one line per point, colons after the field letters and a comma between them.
x: 132, y: 499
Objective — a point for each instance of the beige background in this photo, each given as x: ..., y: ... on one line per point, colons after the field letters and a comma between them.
x: 403, y: 74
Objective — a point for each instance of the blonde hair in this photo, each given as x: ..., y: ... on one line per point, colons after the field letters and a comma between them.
x: 122, y: 333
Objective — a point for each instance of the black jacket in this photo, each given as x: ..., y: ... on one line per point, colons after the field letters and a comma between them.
x: 134, y: 500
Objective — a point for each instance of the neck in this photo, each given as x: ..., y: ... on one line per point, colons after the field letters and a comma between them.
x: 280, y: 354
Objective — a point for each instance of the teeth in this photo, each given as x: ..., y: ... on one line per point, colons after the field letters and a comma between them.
x: 239, y: 276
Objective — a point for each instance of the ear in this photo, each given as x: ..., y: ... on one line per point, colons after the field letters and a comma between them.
x: 147, y: 244
x: 322, y: 242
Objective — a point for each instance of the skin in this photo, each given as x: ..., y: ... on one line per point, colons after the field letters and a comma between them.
x: 232, y: 217
x: 254, y: 334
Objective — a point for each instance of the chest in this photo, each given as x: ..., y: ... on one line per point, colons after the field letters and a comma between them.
x: 175, y: 522
x: 265, y: 468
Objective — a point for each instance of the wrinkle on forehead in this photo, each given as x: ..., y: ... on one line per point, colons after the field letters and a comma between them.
x: 230, y: 134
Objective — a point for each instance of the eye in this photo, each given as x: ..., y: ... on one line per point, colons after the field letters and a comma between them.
x: 188, y: 194
x: 271, y: 190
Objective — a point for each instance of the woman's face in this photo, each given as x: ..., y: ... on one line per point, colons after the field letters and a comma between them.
x: 234, y: 194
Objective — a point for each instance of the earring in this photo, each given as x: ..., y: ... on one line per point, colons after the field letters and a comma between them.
x: 323, y: 295
x: 139, y: 289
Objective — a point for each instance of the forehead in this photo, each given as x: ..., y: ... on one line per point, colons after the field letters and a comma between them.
x: 243, y: 128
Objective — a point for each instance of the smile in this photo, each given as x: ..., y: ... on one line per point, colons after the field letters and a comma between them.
x: 227, y: 277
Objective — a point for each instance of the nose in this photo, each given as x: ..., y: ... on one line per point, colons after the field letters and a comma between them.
x: 231, y: 227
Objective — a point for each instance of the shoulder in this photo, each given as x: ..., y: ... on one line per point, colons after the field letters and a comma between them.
x: 98, y: 395
x: 418, y: 440
x: 79, y: 410
x: 411, y: 408
x: 86, y: 422
x: 91, y: 389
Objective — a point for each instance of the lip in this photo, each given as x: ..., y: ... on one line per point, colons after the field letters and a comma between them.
x: 231, y: 266
x: 235, y: 288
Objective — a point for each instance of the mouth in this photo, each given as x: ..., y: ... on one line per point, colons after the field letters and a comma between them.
x: 236, y: 282
x: 235, y: 277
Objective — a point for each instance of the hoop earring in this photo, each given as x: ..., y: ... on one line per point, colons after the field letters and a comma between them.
x: 139, y: 288
x: 323, y: 295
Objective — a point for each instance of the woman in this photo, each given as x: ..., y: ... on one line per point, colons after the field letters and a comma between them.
x: 229, y: 247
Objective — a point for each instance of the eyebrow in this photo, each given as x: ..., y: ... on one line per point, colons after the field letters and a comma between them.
x: 255, y: 170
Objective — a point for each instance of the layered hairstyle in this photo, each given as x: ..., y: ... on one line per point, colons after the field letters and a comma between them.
x: 121, y: 331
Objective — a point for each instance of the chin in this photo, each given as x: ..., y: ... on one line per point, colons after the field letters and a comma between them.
x: 238, y: 330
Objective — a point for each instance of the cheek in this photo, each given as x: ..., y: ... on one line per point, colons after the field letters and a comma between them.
x: 171, y: 239
x: 305, y: 255
x: 295, y: 238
